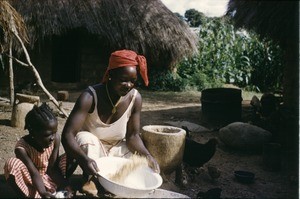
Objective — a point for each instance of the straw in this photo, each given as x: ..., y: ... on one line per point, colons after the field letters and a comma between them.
x: 134, y: 162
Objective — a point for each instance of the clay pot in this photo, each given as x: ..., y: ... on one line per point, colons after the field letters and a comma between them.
x: 166, y: 145
x: 221, y: 105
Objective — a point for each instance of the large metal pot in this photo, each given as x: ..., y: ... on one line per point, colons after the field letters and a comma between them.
x: 222, y: 105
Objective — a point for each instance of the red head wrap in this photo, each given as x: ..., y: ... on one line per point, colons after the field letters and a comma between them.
x: 124, y: 58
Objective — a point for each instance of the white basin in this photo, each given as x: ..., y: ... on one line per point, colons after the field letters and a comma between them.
x: 138, y: 184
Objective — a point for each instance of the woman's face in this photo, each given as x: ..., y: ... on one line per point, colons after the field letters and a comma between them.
x: 123, y: 79
x: 46, y: 135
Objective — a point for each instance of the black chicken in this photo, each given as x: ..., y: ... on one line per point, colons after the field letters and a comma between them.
x: 197, y: 154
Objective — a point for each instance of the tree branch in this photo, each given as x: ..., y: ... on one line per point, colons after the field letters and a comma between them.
x: 17, y: 60
x: 37, y: 76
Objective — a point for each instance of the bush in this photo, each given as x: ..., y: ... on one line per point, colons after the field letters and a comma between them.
x: 226, y: 56
x: 166, y: 80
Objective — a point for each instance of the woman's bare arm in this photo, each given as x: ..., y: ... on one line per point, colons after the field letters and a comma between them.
x: 73, y: 125
x: 133, y: 138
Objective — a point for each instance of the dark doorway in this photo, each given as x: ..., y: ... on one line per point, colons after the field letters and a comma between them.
x: 66, y: 58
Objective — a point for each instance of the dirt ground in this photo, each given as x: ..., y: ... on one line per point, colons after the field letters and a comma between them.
x: 159, y: 108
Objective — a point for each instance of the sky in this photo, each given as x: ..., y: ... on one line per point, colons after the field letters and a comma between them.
x: 211, y: 8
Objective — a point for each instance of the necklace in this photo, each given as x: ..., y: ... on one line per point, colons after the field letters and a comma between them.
x: 114, y: 109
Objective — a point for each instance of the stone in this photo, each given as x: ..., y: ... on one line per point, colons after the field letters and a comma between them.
x: 195, y: 128
x: 244, y: 136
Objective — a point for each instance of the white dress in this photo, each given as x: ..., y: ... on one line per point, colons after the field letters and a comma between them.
x: 99, y: 139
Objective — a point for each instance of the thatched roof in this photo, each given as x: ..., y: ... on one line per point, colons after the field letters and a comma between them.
x: 275, y: 19
x: 146, y: 26
x: 10, y: 20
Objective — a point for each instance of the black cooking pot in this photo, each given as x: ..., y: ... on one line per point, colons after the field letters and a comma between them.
x: 221, y: 104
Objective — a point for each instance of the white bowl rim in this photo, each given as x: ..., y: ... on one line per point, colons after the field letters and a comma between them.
x: 157, y: 176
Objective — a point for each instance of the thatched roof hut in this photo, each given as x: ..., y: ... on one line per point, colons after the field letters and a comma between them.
x: 147, y: 26
x: 278, y: 20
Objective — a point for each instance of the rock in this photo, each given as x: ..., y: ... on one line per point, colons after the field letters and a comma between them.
x: 191, y: 126
x: 244, y: 136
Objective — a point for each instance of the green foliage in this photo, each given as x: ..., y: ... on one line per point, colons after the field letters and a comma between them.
x: 179, y: 16
x: 267, y: 66
x: 194, y: 17
x: 162, y: 80
x: 235, y: 57
x: 198, y: 78
x: 226, y: 56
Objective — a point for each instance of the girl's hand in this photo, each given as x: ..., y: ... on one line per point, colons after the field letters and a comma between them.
x: 153, y: 163
x: 47, y: 194
x: 69, y: 191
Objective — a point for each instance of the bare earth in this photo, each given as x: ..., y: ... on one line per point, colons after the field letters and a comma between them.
x: 159, y: 108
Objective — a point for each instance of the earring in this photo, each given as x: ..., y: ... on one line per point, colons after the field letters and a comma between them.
x: 109, y: 78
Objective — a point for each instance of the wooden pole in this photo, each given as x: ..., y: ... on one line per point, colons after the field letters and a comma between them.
x: 11, y: 75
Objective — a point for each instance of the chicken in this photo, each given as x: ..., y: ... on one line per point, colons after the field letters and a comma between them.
x: 197, y: 154
x: 255, y: 103
x: 269, y: 104
x: 194, y: 157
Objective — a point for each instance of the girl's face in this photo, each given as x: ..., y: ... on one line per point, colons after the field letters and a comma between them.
x: 123, y: 79
x: 46, y: 135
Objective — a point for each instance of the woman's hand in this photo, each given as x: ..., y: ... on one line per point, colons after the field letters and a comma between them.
x: 90, y: 167
x: 153, y: 163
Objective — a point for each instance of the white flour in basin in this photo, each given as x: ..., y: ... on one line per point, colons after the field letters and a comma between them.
x: 129, y: 172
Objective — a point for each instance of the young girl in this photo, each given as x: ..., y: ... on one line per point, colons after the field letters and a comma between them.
x: 35, y: 172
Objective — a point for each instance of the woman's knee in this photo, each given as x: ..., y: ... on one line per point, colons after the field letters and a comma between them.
x: 85, y: 137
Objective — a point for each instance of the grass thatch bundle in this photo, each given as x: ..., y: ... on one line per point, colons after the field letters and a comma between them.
x: 10, y: 20
x: 146, y: 26
x: 275, y: 19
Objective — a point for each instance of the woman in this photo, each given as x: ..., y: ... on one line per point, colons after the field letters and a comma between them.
x: 105, y: 120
